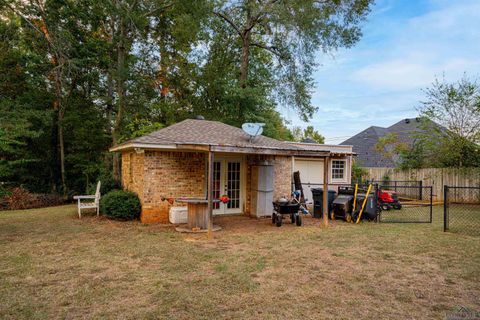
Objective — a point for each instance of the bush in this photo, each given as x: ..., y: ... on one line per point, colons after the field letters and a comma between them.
x: 122, y: 205
x: 19, y: 199
x: 359, y: 174
x: 4, y: 191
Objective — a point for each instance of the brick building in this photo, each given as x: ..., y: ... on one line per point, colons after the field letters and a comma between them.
x: 172, y: 163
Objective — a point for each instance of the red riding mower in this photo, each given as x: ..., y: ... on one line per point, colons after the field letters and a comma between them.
x: 388, y: 199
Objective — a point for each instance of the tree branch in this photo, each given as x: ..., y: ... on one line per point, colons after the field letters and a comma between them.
x: 272, y: 49
x: 160, y: 8
x: 229, y: 21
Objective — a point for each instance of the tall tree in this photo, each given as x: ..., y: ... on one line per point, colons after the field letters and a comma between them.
x: 54, y: 39
x: 291, y: 32
x: 77, y: 76
x: 149, y: 44
x: 456, y: 106
x: 17, y: 114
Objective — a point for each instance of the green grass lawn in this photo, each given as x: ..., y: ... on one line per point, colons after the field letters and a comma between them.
x: 53, y: 265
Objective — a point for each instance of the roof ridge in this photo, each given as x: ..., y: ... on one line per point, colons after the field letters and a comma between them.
x: 167, y: 134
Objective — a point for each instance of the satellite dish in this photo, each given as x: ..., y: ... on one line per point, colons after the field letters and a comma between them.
x: 253, y: 129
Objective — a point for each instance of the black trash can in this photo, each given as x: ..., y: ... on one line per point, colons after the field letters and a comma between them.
x: 317, y: 194
x: 370, y: 211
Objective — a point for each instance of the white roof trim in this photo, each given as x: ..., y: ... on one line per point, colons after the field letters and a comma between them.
x: 142, y: 146
x: 173, y: 146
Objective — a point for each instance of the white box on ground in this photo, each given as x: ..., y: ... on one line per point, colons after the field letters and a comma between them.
x: 178, y: 215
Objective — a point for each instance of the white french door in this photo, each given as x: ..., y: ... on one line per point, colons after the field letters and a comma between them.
x: 227, y: 180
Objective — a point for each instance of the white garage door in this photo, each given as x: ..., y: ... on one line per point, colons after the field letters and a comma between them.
x: 311, y: 175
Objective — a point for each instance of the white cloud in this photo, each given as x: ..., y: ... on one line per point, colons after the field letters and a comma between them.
x: 405, y: 46
x: 442, y: 41
x: 395, y: 74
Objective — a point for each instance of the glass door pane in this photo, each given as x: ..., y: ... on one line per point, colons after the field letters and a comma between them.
x: 233, y: 184
x: 217, y: 183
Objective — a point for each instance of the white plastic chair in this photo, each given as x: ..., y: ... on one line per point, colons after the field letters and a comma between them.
x: 95, y: 204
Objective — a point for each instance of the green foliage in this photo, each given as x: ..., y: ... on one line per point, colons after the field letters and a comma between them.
x: 4, y: 191
x: 390, y: 146
x: 281, y: 39
x: 108, y: 183
x: 122, y: 205
x: 140, y: 127
x: 440, y: 151
x: 77, y: 77
x: 414, y: 157
x: 307, y: 133
x: 386, y: 179
x: 359, y: 174
x: 456, y: 106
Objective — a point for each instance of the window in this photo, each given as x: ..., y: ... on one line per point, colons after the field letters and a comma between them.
x: 338, y: 169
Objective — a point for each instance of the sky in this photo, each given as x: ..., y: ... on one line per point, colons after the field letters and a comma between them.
x: 406, y: 44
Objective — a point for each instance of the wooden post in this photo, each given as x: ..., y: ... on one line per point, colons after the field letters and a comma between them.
x: 325, y: 191
x: 210, y: 194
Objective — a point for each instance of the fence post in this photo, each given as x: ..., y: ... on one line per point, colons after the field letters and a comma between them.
x: 377, y: 207
x: 445, y: 208
x: 431, y: 203
x: 421, y: 189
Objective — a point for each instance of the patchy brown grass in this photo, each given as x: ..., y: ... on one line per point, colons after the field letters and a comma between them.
x: 53, y: 265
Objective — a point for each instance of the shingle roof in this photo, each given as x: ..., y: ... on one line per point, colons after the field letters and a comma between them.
x: 205, y: 132
x: 364, y: 142
x: 213, y: 133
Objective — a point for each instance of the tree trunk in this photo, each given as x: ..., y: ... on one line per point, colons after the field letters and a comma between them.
x: 110, y: 79
x: 244, y: 63
x: 245, y: 59
x: 121, y: 55
x: 58, y: 63
x: 58, y: 106
x: 162, y: 73
x: 110, y: 73
x: 62, y: 153
x: 109, y: 109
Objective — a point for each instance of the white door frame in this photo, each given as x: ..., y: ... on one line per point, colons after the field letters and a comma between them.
x: 223, y: 160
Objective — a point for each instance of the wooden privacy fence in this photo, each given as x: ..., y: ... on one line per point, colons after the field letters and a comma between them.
x: 435, y: 177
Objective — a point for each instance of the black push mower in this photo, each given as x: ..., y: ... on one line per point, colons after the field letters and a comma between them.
x: 355, y: 204
x: 292, y: 208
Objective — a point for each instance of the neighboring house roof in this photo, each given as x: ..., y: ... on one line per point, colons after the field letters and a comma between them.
x: 211, y: 133
x: 364, y: 142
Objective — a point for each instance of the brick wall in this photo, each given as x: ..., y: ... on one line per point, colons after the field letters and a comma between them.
x: 154, y: 175
x: 170, y: 175
x: 283, y: 177
x: 133, y: 172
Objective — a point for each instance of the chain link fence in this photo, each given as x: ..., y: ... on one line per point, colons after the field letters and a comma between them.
x: 461, y: 210
x: 395, y: 184
x: 397, y: 203
x: 405, y: 203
